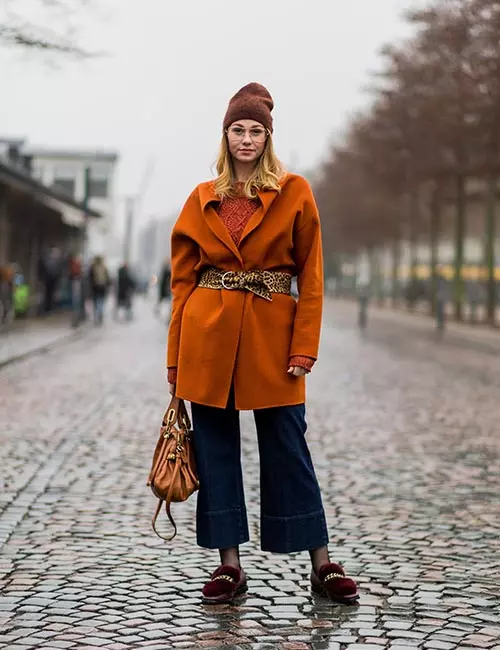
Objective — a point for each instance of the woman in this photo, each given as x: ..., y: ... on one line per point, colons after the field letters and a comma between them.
x: 239, y: 341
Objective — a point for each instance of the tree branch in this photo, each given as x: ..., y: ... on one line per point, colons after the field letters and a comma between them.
x: 18, y: 32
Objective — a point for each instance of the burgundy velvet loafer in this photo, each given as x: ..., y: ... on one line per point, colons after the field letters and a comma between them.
x: 225, y: 584
x: 332, y: 582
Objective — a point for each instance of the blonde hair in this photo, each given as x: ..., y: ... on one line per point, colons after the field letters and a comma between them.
x: 266, y: 176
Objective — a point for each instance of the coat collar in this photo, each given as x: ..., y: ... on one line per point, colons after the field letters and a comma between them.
x: 208, y: 196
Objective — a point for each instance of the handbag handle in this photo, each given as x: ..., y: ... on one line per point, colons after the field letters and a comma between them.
x: 176, y: 413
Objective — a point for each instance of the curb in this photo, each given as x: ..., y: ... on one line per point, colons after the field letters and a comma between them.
x: 42, y: 349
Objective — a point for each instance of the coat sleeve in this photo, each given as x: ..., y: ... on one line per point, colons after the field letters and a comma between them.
x: 309, y: 261
x: 185, y: 254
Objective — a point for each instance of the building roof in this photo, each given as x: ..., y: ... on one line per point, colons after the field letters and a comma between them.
x: 16, y: 142
x: 72, y: 154
x: 21, y: 178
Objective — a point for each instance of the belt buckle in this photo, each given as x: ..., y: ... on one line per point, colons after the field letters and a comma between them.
x: 223, y: 280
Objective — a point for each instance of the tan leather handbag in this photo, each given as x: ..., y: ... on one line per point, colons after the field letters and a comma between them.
x: 173, y: 476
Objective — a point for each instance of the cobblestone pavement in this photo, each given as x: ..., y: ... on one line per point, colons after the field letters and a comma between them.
x: 404, y: 433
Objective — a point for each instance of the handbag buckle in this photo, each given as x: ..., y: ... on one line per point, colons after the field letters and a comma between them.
x: 170, y: 419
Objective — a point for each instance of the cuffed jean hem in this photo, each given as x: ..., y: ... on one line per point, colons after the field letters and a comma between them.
x: 222, y: 529
x: 294, y: 534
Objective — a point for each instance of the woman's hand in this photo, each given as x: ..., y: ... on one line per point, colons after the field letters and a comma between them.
x: 297, y: 371
x: 171, y: 387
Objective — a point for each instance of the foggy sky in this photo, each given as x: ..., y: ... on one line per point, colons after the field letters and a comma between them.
x: 163, y: 91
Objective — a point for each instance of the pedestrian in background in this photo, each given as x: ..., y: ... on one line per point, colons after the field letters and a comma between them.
x: 363, y: 290
x: 476, y: 296
x: 125, y: 286
x: 99, y: 282
x: 239, y: 341
x: 442, y: 295
x: 7, y: 286
x: 49, y: 274
x: 77, y: 289
x: 164, y: 285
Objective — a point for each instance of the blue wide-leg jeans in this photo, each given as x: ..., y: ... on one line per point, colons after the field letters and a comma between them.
x: 292, y: 515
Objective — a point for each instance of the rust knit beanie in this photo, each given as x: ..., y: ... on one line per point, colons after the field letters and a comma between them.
x: 252, y: 102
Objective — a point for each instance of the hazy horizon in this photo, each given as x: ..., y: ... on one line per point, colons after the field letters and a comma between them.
x: 161, y: 94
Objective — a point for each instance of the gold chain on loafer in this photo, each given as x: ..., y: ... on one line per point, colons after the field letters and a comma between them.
x: 333, y: 576
x: 224, y: 577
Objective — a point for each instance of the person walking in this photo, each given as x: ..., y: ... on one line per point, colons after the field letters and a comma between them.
x: 125, y: 286
x: 363, y: 290
x: 77, y: 289
x: 239, y: 341
x: 7, y: 289
x: 49, y: 273
x: 442, y: 297
x: 99, y: 282
x: 164, y: 285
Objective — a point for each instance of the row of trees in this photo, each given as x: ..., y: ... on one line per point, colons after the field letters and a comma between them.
x: 433, y: 126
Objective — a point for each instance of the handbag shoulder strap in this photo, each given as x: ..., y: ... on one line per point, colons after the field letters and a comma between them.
x: 168, y: 501
x: 176, y: 413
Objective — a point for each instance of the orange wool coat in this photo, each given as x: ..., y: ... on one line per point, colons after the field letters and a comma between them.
x: 217, y: 337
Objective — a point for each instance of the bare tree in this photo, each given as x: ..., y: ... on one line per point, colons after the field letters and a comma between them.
x: 434, y: 124
x: 446, y: 41
x: 487, y: 63
x: 24, y: 25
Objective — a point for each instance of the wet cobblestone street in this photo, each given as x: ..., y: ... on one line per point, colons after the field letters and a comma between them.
x: 405, y: 434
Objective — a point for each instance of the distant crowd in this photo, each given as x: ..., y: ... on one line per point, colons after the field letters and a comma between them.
x: 65, y: 281
x: 94, y: 283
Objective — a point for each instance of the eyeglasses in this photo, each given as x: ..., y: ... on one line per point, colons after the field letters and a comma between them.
x: 257, y: 134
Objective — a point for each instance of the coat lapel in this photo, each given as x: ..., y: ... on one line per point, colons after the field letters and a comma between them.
x: 266, y: 200
x: 207, y: 196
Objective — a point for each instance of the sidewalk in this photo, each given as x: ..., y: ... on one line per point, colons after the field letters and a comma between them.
x: 460, y: 334
x: 33, y: 335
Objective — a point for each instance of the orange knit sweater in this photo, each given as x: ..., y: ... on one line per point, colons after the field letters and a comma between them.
x: 235, y: 213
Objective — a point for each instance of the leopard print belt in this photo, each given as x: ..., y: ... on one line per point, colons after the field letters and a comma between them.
x: 261, y: 283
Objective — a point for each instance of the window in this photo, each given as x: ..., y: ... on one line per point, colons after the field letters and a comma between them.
x: 65, y: 179
x: 65, y: 185
x: 98, y: 188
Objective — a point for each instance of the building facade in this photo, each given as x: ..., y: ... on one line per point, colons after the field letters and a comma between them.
x: 85, y: 175
x: 34, y: 217
x: 154, y: 246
